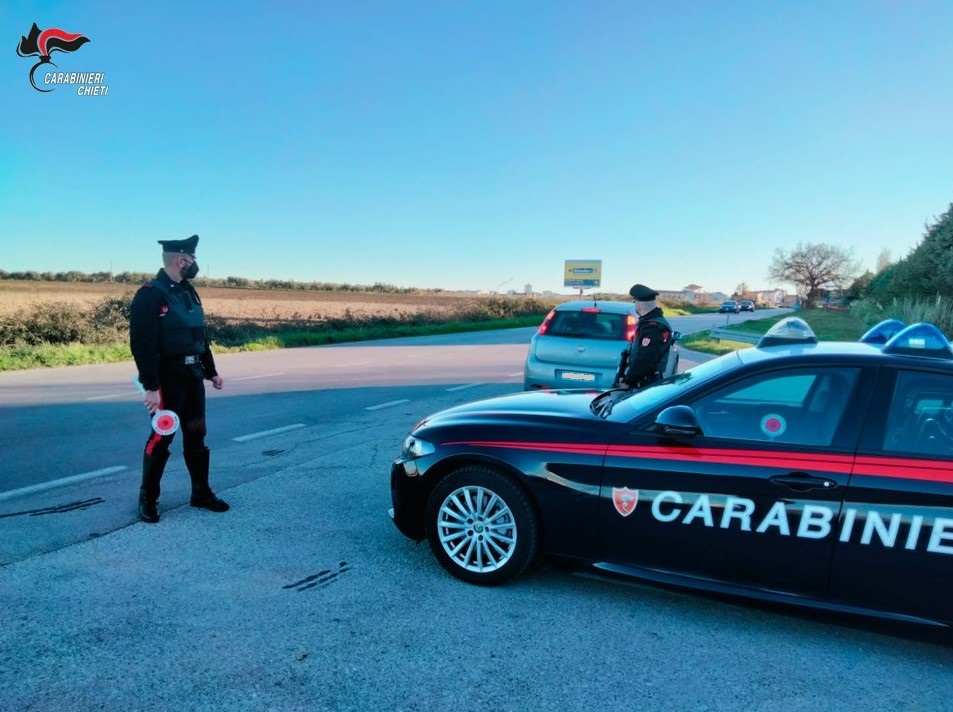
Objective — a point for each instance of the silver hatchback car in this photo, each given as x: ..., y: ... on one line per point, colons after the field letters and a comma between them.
x: 579, y: 344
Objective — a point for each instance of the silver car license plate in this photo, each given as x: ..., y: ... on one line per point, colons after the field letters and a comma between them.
x: 577, y: 377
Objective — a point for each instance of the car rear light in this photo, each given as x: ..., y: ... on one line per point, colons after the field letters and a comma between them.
x: 546, y: 322
x: 592, y: 310
x: 629, y: 327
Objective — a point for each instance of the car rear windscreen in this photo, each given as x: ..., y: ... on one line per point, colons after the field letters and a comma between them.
x: 588, y: 325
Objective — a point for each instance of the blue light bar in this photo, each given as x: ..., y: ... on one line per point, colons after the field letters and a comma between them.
x: 884, y: 331
x: 920, y: 340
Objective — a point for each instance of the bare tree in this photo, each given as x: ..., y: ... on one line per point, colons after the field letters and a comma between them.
x: 814, y: 268
x: 742, y: 290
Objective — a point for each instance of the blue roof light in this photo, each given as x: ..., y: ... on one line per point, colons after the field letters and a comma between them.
x: 884, y: 331
x: 920, y: 340
x: 792, y: 330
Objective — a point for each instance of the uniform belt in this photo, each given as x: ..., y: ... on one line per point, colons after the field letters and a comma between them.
x: 186, y: 359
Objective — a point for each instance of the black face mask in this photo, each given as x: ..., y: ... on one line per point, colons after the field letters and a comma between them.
x: 191, y: 271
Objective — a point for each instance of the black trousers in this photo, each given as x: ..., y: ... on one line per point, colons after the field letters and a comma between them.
x: 185, y: 396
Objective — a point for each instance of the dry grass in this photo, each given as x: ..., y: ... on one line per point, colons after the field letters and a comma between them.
x: 243, y: 304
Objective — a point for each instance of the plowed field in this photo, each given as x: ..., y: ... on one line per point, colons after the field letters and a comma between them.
x: 248, y: 304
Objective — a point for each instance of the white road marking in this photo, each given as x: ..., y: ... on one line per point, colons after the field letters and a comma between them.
x: 515, y: 375
x: 43, y: 486
x: 387, y: 405
x: 266, y: 433
x: 114, y: 395
x: 463, y: 387
x: 350, y: 364
x: 132, y: 393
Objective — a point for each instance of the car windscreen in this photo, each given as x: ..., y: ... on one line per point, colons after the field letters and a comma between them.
x: 588, y: 324
x: 626, y: 405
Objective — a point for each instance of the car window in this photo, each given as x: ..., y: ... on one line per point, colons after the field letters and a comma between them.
x: 589, y: 325
x: 799, y: 406
x: 920, y: 419
x: 786, y: 390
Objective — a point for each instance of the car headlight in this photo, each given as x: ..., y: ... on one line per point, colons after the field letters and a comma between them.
x: 414, y: 447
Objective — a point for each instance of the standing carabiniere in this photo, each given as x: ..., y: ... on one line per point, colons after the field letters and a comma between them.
x: 170, y: 345
x: 648, y: 352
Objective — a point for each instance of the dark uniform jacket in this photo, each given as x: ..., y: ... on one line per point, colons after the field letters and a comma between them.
x: 166, y: 325
x: 649, y: 349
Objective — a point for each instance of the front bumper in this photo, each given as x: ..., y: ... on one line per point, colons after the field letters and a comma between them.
x: 408, y: 498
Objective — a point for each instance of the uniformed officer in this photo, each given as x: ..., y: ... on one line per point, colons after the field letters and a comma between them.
x: 170, y: 346
x: 653, y: 339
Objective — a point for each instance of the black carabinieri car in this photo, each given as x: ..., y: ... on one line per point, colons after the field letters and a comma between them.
x: 819, y: 474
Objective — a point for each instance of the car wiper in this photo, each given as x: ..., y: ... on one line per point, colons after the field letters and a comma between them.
x: 596, y: 405
x: 603, y: 403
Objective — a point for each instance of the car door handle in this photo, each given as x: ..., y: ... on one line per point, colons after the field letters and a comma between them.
x: 803, y: 482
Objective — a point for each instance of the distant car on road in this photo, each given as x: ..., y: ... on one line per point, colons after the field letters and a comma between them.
x: 746, y: 305
x: 579, y: 344
x: 729, y: 306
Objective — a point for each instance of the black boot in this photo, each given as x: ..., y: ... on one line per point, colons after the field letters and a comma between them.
x: 202, y: 495
x: 152, y: 468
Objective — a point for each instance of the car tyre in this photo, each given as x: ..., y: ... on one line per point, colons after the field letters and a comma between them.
x: 481, y: 526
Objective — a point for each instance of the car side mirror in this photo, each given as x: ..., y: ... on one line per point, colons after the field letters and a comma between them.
x: 678, y: 421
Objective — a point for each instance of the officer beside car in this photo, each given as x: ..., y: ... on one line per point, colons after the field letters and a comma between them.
x: 170, y: 346
x: 650, y: 346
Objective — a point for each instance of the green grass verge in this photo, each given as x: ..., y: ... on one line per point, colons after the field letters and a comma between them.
x: 828, y: 326
x: 292, y: 339
x: 14, y: 358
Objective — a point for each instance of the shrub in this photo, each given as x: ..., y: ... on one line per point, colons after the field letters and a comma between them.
x: 48, y: 323
x: 227, y: 332
x: 937, y: 311
x: 109, y: 320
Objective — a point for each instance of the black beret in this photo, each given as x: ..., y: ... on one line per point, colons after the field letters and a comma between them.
x: 641, y: 293
x: 187, y: 246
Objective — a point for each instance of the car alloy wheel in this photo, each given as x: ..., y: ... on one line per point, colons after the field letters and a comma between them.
x: 481, y: 526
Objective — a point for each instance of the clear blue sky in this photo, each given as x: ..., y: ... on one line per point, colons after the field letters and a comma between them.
x: 478, y: 144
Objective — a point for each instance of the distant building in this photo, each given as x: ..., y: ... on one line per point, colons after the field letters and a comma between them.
x: 692, y: 294
x: 695, y: 294
x: 771, y: 298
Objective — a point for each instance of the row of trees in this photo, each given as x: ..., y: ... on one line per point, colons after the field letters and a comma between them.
x: 233, y: 282
x: 926, y: 271
x: 818, y: 269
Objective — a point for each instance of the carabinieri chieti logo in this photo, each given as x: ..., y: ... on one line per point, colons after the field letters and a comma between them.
x: 42, y: 44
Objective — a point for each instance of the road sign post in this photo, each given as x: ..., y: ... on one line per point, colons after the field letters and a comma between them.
x: 584, y: 274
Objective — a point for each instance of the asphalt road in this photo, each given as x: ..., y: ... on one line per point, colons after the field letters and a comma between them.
x: 81, y: 421
x: 304, y: 596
